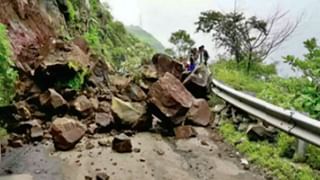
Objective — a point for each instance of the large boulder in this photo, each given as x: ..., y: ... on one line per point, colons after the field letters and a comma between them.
x: 170, y: 96
x: 128, y: 112
x: 198, y: 82
x: 164, y: 64
x: 199, y: 113
x: 66, y: 133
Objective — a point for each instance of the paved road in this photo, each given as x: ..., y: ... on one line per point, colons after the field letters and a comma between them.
x: 159, y: 159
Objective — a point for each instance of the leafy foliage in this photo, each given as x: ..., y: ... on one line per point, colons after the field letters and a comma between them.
x: 183, y: 42
x: 107, y: 37
x: 8, y: 75
x: 310, y: 66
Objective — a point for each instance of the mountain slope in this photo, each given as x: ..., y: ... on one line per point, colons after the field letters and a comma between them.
x: 146, y: 37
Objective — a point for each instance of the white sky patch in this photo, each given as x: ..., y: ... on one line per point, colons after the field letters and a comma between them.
x: 162, y: 17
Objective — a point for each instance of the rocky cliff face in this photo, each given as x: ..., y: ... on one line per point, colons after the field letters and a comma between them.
x: 33, y: 24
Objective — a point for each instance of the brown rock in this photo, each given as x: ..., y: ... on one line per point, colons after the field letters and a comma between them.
x: 56, y: 100
x: 95, y: 103
x: 199, y: 113
x: 89, y: 146
x: 164, y: 64
x: 16, y: 143
x: 184, y: 132
x: 136, y: 93
x: 66, y: 132
x: 82, y: 104
x: 102, y: 176
x: 92, y: 128
x: 120, y: 82
x: 36, y: 133
x: 103, y: 119
x: 170, y: 96
x: 23, y: 109
x: 104, y: 106
x: 122, y: 144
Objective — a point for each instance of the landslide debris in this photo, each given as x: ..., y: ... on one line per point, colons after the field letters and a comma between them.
x: 65, y: 91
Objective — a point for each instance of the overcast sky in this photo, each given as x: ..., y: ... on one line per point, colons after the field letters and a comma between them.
x: 162, y: 17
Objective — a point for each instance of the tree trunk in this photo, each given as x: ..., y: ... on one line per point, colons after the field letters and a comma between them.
x: 249, y: 61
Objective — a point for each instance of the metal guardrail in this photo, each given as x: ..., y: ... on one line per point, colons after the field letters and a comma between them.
x: 291, y: 122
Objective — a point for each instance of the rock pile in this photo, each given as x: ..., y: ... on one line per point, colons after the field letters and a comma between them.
x: 47, y: 105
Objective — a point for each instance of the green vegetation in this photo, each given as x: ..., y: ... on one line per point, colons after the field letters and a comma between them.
x: 269, y: 156
x: 107, y: 37
x: 146, y: 37
x: 288, y: 93
x: 8, y: 75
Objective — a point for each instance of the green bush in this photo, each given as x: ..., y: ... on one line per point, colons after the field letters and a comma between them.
x: 8, y: 75
x: 268, y: 155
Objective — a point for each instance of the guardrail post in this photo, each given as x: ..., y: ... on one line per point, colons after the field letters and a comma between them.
x: 301, y: 149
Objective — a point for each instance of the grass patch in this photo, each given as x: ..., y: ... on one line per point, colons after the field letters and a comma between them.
x: 267, y: 155
x: 265, y: 84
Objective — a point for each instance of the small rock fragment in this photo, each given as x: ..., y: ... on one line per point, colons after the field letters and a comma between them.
x: 160, y: 152
x: 104, y: 143
x: 16, y: 143
x: 136, y: 150
x: 122, y: 144
x: 204, y: 143
x: 245, y: 164
x: 36, y: 133
x: 102, y: 176
x: 184, y: 132
x: 89, y: 146
x: 56, y: 100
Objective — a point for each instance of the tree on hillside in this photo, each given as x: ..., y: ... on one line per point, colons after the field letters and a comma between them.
x: 183, y: 42
x: 245, y: 38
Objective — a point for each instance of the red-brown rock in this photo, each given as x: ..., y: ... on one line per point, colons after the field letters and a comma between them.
x: 199, y: 113
x: 66, y: 132
x: 184, y: 132
x: 164, y: 64
x: 170, y: 96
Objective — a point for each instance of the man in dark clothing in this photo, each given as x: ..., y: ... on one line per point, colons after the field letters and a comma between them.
x: 193, y: 56
x: 204, y: 55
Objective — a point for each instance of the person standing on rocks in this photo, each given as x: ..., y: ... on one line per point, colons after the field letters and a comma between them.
x: 194, y: 55
x: 204, y: 55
